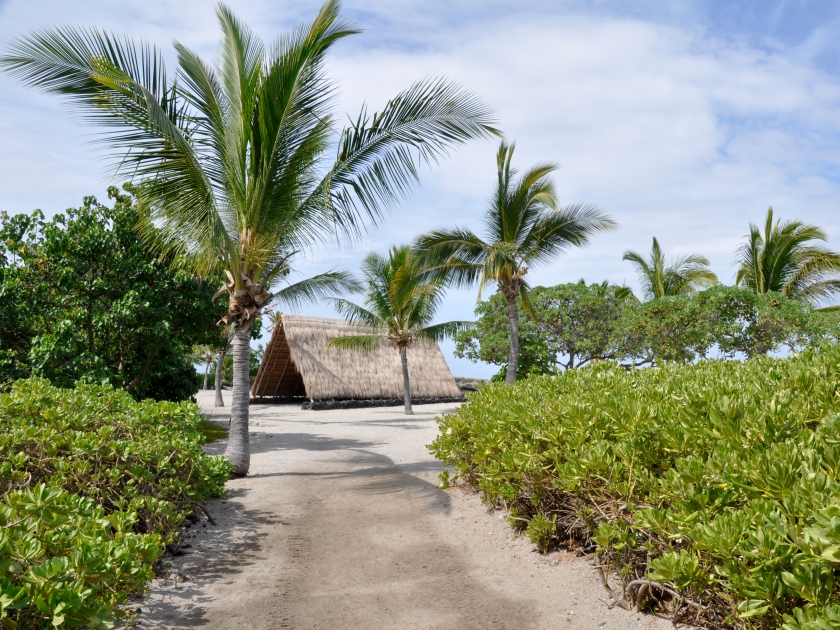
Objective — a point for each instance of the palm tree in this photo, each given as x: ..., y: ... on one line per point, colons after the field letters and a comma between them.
x: 402, y: 297
x: 234, y: 158
x: 525, y: 227
x: 203, y: 353
x: 786, y: 259
x: 292, y: 296
x: 685, y: 275
x: 273, y: 318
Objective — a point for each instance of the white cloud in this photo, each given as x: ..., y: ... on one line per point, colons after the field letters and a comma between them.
x: 673, y: 131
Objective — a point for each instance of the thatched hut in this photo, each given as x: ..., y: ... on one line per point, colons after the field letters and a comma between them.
x: 297, y: 363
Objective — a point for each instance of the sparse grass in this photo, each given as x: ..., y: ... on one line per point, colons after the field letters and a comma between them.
x: 211, y: 431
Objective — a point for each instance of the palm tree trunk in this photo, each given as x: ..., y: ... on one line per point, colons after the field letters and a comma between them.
x: 238, y: 450
x: 220, y: 402
x: 513, y: 357
x: 206, y: 372
x: 406, y: 382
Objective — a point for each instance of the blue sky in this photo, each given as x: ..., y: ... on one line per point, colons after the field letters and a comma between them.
x: 684, y: 120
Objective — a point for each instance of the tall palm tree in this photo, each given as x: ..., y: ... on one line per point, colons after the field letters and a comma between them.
x: 525, y: 227
x: 787, y: 259
x: 402, y: 297
x: 241, y: 163
x: 686, y: 274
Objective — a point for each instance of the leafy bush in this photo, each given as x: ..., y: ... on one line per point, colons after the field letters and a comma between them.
x: 719, y: 481
x: 82, y: 298
x: 95, y: 485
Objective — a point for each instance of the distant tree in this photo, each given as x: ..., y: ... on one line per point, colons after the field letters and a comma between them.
x: 203, y: 354
x: 401, y: 302
x: 573, y: 325
x: 99, y: 305
x: 17, y: 325
x: 686, y: 274
x: 241, y: 161
x: 726, y: 322
x: 576, y: 324
x: 227, y: 367
x: 786, y: 258
x: 524, y: 228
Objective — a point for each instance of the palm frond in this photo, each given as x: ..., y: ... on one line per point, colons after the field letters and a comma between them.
x: 686, y: 274
x: 447, y: 330
x: 787, y: 259
x: 316, y: 288
x: 362, y: 343
x: 357, y: 314
x: 378, y: 154
x: 551, y: 232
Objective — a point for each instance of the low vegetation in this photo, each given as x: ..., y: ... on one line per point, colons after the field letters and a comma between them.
x: 710, y: 490
x: 95, y: 485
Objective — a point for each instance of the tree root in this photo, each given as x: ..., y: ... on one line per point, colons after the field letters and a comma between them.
x: 641, y: 587
x: 199, y: 506
x: 644, y: 585
x: 618, y: 601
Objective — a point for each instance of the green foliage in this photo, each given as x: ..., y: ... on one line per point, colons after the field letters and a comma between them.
x: 720, y: 480
x: 574, y: 325
x: 65, y: 563
x: 82, y: 298
x: 787, y: 258
x: 684, y: 275
x: 254, y: 359
x: 577, y: 324
x: 95, y: 484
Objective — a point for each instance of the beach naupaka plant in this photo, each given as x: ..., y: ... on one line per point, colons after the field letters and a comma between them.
x: 240, y: 162
x: 525, y: 227
x: 402, y: 299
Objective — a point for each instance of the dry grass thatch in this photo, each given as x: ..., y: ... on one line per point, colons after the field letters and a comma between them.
x: 297, y: 362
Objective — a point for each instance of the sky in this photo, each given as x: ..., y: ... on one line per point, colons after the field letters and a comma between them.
x: 683, y: 120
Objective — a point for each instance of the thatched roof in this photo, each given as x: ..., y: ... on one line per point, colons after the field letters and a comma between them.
x: 297, y: 362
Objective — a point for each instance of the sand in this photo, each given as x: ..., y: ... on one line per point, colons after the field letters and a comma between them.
x: 341, y: 525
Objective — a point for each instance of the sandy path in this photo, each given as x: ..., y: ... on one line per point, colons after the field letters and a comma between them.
x: 340, y: 525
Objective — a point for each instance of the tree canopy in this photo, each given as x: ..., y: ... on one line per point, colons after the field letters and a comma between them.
x: 83, y: 299
x: 576, y: 324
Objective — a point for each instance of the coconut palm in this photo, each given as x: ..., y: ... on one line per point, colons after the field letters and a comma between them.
x: 203, y: 353
x: 240, y: 161
x: 292, y: 297
x: 684, y: 275
x: 273, y: 319
x: 787, y: 259
x: 402, y: 297
x: 525, y: 228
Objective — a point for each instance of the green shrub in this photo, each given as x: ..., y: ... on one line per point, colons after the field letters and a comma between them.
x: 720, y: 480
x: 64, y: 562
x: 95, y: 484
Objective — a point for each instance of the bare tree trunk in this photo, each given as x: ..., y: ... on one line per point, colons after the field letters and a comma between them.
x: 206, y: 372
x: 143, y: 371
x: 513, y: 357
x: 220, y: 362
x: 238, y: 450
x: 406, y: 383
